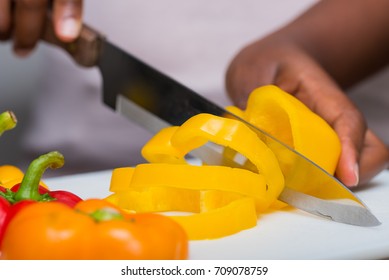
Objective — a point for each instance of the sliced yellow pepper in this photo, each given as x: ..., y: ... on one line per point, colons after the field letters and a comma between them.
x: 221, y: 200
x: 223, y: 197
x: 189, y: 177
x: 223, y: 221
x: 225, y: 200
x: 200, y: 129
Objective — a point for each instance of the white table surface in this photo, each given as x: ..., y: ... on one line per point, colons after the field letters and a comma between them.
x: 283, y: 235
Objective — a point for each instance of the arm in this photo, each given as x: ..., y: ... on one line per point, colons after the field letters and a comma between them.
x: 24, y: 21
x: 331, y: 46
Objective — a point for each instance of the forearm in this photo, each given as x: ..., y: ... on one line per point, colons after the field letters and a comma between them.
x: 349, y: 38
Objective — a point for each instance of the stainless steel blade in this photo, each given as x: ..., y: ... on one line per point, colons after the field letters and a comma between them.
x: 154, y: 101
x: 333, y: 210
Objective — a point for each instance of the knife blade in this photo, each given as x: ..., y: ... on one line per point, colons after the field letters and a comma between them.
x: 154, y: 100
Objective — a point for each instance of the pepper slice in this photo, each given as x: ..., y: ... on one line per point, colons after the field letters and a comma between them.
x: 224, y: 198
x: 220, y: 178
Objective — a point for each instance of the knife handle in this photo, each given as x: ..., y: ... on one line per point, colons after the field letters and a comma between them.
x: 85, y: 50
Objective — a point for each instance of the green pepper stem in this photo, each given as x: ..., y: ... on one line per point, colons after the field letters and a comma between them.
x: 7, y: 121
x: 106, y: 214
x: 29, y: 188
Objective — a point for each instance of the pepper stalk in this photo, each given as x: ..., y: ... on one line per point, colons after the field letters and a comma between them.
x: 29, y: 187
x: 7, y: 121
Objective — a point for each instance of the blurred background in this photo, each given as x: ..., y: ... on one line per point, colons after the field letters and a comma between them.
x: 175, y: 37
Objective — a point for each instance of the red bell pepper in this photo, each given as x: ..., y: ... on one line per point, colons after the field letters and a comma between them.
x: 29, y: 191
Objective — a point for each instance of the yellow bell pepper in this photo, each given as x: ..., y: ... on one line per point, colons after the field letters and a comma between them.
x: 11, y: 175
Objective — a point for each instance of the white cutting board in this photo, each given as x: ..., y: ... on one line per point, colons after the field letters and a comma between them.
x: 283, y: 234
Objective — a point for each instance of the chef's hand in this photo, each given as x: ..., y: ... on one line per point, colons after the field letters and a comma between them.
x: 287, y: 66
x: 24, y: 21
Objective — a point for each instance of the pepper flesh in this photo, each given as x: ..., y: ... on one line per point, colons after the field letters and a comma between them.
x: 94, y: 229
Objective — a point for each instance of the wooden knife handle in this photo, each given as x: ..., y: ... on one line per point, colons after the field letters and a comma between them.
x: 85, y: 50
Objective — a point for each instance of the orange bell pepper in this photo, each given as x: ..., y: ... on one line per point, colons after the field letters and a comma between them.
x: 94, y: 229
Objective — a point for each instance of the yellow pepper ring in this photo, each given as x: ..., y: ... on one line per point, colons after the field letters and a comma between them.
x: 227, y: 208
x: 158, y: 199
x: 159, y: 148
x: 191, y: 177
x: 220, y: 221
x: 201, y: 128
x: 230, y: 219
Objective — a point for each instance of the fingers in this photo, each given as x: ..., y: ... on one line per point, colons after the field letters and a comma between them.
x: 67, y: 19
x: 5, y: 19
x: 320, y: 93
x: 26, y: 19
x: 363, y: 155
x: 246, y: 72
x: 374, y: 157
x: 29, y: 20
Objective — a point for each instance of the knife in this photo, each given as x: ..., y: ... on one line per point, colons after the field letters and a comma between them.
x: 154, y: 100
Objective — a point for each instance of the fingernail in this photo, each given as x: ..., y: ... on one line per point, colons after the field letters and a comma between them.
x: 356, y: 174
x: 70, y: 28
